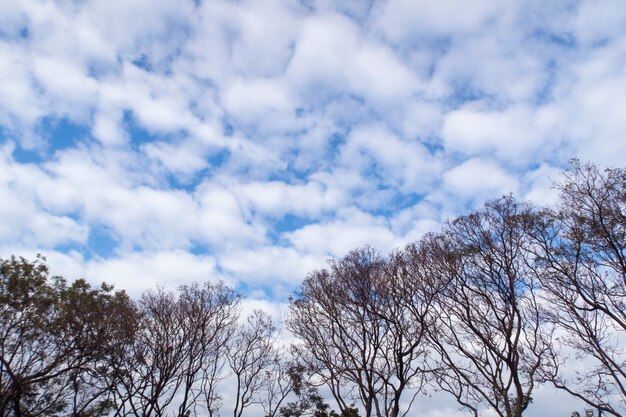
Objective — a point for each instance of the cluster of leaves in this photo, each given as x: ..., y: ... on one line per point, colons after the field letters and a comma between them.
x: 56, y: 341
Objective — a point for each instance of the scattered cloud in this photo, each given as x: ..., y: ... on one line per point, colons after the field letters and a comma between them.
x: 145, y: 143
x: 478, y: 179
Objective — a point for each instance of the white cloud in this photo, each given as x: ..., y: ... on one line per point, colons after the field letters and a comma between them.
x: 597, y: 105
x: 107, y: 126
x: 184, y: 157
x: 413, y: 222
x: 516, y: 135
x: 248, y: 100
x: 140, y: 26
x: 369, y: 122
x: 539, y: 185
x: 336, y: 238
x: 252, y: 303
x: 24, y: 220
x: 136, y: 272
x: 270, y: 264
x: 421, y: 120
x: 479, y: 179
x: 402, y: 20
x: 405, y: 165
x: 600, y: 21
x: 275, y: 199
x: 65, y: 83
x: 332, y: 55
x: 222, y: 222
x: 261, y: 35
x: 20, y: 105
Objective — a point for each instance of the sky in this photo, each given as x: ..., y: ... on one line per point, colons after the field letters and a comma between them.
x: 149, y: 143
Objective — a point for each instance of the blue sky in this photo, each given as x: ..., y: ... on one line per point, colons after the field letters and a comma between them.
x: 146, y: 143
x: 250, y: 141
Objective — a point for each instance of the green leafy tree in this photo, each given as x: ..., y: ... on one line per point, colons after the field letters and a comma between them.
x: 56, y: 341
x: 309, y: 402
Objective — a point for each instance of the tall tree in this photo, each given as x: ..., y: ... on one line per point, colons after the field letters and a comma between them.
x: 251, y: 353
x: 583, y: 253
x: 355, y: 335
x: 102, y: 323
x: 209, y: 314
x: 150, y: 374
x: 488, y: 332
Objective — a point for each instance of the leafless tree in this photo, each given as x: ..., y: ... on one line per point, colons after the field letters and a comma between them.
x: 251, y: 353
x: 583, y: 252
x: 488, y: 332
x: 209, y: 314
x: 356, y: 336
x: 150, y: 374
x: 408, y: 295
x: 178, y: 352
x: 277, y: 384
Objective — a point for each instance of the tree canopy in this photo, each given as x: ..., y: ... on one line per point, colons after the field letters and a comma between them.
x: 499, y: 301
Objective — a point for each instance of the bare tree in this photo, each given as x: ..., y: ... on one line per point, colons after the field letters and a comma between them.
x: 407, y: 295
x: 209, y: 314
x: 150, y: 375
x: 251, y: 353
x: 277, y: 384
x: 488, y: 332
x: 356, y: 337
x: 213, y: 372
x: 583, y: 253
x: 177, y: 355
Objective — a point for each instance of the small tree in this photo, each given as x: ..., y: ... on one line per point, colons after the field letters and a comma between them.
x: 309, y: 402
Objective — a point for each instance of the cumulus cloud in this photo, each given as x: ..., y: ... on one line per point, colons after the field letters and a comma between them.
x: 405, y: 165
x: 516, y: 135
x: 352, y: 229
x: 402, y: 20
x: 331, y: 56
x: 169, y: 269
x: 28, y: 219
x: 145, y: 143
x: 478, y: 179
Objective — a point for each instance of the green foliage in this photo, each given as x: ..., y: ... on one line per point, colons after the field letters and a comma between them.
x: 309, y: 402
x: 55, y: 341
